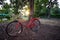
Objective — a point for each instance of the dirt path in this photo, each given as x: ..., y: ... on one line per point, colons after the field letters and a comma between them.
x: 46, y: 32
x: 50, y: 21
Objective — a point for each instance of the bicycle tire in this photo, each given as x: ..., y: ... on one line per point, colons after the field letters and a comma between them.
x: 11, y: 29
x: 36, y: 26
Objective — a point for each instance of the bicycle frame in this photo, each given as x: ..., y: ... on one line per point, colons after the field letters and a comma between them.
x: 29, y: 25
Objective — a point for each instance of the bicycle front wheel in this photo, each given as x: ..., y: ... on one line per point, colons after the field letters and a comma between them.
x: 36, y: 25
x: 12, y: 30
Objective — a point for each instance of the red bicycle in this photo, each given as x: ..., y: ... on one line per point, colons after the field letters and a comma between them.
x: 14, y: 28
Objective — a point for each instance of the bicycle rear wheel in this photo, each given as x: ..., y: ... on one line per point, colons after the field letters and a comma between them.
x: 36, y: 25
x: 12, y: 30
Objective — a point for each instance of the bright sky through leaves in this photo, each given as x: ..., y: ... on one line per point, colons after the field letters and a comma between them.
x: 59, y: 3
x: 8, y: 1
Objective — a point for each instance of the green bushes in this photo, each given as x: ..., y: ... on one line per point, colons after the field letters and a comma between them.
x: 41, y: 9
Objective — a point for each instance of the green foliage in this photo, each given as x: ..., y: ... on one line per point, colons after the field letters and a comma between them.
x: 18, y: 4
x: 5, y: 11
x: 2, y: 11
x: 41, y: 9
x: 6, y: 6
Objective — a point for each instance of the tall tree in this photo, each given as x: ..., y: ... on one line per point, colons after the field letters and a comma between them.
x: 49, y: 8
x: 51, y: 5
x: 31, y: 7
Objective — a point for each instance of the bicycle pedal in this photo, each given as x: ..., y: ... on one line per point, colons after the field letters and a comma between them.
x: 19, y: 32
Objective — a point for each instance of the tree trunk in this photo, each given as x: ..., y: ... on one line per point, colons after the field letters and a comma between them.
x: 31, y: 8
x: 49, y: 8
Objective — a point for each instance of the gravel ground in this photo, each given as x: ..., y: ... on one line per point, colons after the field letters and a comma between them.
x: 46, y: 32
